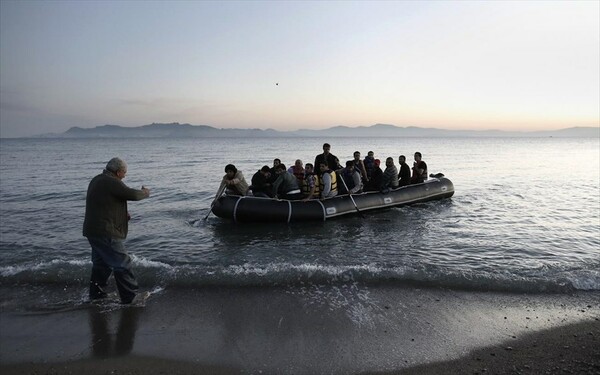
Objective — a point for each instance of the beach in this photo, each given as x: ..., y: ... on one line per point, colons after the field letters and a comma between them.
x: 312, y: 329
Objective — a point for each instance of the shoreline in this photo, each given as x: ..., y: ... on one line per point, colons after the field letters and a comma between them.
x: 569, y: 349
x: 335, y: 329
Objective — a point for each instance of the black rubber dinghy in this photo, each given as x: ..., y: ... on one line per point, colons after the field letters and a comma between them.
x: 256, y: 209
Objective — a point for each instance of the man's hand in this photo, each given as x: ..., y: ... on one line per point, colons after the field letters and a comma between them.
x: 146, y: 191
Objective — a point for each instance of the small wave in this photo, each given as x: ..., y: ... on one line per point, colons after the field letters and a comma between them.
x: 160, y: 275
x: 585, y: 280
x: 143, y: 262
x: 8, y: 271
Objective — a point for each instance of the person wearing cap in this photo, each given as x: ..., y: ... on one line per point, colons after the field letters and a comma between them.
x: 105, y: 226
x: 404, y: 175
x: 234, y: 182
x: 261, y: 187
x: 376, y: 179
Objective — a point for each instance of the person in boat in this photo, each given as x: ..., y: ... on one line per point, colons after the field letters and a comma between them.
x: 419, y: 170
x: 351, y: 178
x: 376, y: 179
x: 404, y: 175
x: 390, y: 176
x: 327, y: 182
x: 360, y: 166
x: 369, y: 164
x: 328, y: 158
x: 286, y: 185
x: 310, y: 183
x: 298, y: 171
x: 233, y: 181
x: 273, y: 177
x: 261, y: 187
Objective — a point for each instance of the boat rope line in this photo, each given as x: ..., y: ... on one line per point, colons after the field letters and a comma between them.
x: 324, y: 210
x: 235, y: 209
x: 431, y: 190
x: 392, y: 205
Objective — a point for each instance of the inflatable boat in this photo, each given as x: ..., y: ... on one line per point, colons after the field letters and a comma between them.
x: 258, y: 209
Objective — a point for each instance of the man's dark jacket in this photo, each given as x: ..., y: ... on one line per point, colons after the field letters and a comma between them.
x: 260, y: 184
x: 330, y: 159
x: 106, y: 206
x: 404, y: 175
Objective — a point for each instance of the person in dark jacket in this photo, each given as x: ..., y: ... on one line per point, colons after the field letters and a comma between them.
x: 105, y: 226
x: 419, y: 170
x: 260, y: 183
x: 273, y: 176
x: 351, y: 181
x: 404, y: 175
x: 369, y: 163
x: 376, y: 179
x: 328, y: 158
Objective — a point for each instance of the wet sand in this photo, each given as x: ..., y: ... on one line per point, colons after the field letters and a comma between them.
x: 338, y: 329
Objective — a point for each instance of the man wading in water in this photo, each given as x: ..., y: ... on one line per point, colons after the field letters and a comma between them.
x: 105, y: 227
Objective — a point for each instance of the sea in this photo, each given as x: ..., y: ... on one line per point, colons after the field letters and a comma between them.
x: 524, y: 218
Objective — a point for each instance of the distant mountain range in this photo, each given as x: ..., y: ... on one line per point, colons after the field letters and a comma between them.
x: 177, y: 130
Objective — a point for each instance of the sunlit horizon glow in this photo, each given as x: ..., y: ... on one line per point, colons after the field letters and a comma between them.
x: 299, y: 65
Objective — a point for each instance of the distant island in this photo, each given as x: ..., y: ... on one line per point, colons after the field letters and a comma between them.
x: 177, y: 130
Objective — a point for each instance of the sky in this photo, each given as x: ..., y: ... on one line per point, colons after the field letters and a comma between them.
x: 291, y: 65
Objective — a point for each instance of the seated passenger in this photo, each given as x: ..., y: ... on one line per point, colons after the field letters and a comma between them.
x: 310, y: 183
x: 273, y: 177
x: 390, y: 176
x: 234, y: 181
x: 327, y: 182
x: 419, y: 170
x: 360, y: 167
x: 404, y: 175
x: 369, y: 163
x: 376, y: 180
x: 286, y: 185
x: 297, y: 170
x: 260, y: 183
x: 351, y: 179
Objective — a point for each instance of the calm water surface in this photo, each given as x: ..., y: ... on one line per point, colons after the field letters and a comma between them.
x: 525, y: 215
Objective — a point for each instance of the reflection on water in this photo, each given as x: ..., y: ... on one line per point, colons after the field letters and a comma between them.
x: 340, y: 241
x: 105, y: 343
